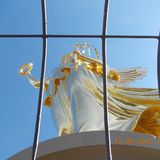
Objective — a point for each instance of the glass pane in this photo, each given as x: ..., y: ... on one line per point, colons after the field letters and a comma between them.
x: 133, y: 99
x: 75, y: 17
x: 129, y: 53
x: 134, y: 17
x: 18, y: 99
x: 58, y: 48
x: 20, y: 17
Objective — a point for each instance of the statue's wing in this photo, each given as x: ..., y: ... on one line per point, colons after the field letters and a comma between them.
x: 132, y: 74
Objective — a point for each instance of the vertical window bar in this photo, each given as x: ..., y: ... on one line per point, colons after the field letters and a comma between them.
x: 41, y: 91
x: 105, y: 90
x: 158, y: 64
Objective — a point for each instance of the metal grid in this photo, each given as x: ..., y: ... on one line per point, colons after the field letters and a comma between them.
x: 103, y: 36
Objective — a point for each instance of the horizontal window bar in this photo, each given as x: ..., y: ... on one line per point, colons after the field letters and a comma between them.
x: 76, y: 36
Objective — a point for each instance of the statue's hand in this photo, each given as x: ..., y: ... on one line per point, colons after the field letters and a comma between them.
x: 114, y: 75
x: 25, y: 69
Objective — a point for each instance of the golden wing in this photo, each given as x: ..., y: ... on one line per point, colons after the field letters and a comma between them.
x: 132, y: 74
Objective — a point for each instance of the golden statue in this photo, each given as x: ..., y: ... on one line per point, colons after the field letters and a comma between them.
x: 75, y: 96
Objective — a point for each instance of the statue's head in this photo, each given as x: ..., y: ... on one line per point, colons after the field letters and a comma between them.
x: 83, y: 50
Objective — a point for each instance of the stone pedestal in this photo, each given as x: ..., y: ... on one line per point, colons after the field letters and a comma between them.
x: 91, y: 146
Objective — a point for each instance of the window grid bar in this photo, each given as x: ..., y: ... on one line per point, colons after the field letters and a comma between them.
x: 42, y: 80
x: 105, y: 86
x: 78, y: 36
x: 158, y: 66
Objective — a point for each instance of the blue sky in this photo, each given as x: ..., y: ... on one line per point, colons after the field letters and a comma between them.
x: 19, y: 99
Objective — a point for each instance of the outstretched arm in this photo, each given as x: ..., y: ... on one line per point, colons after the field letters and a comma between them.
x: 33, y: 81
x: 25, y: 70
x: 36, y: 83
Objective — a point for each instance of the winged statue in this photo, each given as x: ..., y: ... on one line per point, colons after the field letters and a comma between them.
x: 74, y: 95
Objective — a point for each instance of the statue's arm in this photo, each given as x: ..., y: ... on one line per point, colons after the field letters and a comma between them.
x: 33, y: 81
x: 36, y: 83
x: 25, y: 70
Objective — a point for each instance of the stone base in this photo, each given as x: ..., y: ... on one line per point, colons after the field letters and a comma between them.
x: 91, y: 146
